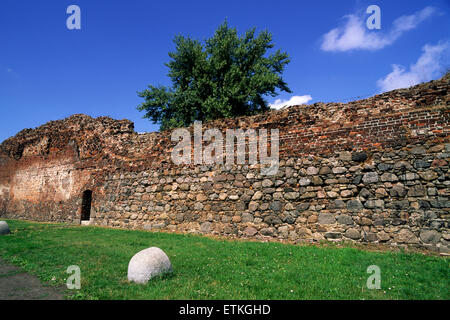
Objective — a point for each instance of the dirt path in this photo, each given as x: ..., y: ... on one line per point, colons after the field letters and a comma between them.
x: 18, y: 285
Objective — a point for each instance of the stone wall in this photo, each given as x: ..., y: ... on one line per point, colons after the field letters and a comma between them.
x: 374, y: 170
x: 398, y: 196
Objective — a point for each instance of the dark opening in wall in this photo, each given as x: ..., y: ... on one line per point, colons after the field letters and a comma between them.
x: 86, y: 205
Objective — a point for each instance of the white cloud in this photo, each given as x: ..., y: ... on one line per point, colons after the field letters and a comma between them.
x: 12, y: 72
x: 355, y: 35
x: 432, y: 61
x: 294, y: 101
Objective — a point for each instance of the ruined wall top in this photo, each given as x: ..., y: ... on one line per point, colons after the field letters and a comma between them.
x: 315, y: 126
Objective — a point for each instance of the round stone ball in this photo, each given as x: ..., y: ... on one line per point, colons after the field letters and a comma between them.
x: 4, y: 228
x: 147, y: 264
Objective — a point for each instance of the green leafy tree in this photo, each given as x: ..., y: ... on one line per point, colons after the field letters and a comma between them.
x: 226, y: 76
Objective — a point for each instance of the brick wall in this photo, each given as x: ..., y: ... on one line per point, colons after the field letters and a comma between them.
x: 374, y: 170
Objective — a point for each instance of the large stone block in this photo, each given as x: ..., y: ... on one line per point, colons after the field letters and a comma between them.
x: 353, y: 233
x: 406, y: 236
x: 370, y: 177
x: 326, y: 218
x: 430, y: 236
x: 354, y: 205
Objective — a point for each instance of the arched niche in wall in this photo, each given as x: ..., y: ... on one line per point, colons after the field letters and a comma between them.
x: 86, y: 205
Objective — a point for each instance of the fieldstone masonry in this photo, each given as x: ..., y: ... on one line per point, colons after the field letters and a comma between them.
x: 374, y: 170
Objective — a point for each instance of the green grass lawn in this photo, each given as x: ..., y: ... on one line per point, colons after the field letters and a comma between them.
x: 206, y: 268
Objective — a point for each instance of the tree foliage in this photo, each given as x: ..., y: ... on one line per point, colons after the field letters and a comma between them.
x: 226, y: 76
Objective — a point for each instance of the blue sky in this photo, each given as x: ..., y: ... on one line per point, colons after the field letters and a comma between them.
x: 48, y: 72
